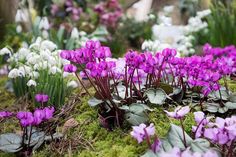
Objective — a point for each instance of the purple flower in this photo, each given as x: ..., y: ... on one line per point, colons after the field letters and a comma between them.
x: 70, y: 68
x: 5, y: 114
x: 41, y: 98
x: 25, y: 118
x: 142, y: 132
x: 48, y: 112
x: 179, y: 112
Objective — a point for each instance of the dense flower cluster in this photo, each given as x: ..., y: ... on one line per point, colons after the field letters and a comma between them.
x: 35, y: 118
x: 109, y: 12
x: 222, y: 131
x: 196, y: 71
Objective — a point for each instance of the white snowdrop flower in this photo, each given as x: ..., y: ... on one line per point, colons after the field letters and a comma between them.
x: 54, y: 70
x: 24, y: 69
x: 34, y: 74
x: 13, y: 73
x: 44, y: 55
x: 22, y: 53
x: 203, y: 13
x: 52, y: 61
x: 33, y: 59
x: 25, y: 44
x: 21, y: 72
x: 188, y: 44
x: 45, y: 34
x: 5, y: 51
x: 191, y: 51
x: 18, y: 29
x: 74, y: 33
x: 31, y: 83
x: 20, y: 16
x: 44, y: 24
x: 72, y: 84
x: 46, y: 44
x: 34, y: 46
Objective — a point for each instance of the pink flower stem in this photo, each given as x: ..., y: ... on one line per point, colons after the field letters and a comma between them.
x: 185, y: 143
x: 147, y: 139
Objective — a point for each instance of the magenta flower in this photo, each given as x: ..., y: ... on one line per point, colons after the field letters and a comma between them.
x: 5, y: 114
x: 25, y: 118
x: 70, y: 68
x: 142, y: 132
x: 156, y: 146
x: 48, y: 112
x: 41, y: 98
x: 179, y: 112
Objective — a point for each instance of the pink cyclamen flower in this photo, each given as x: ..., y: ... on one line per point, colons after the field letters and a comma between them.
x: 41, y: 98
x: 70, y: 68
x: 5, y: 114
x: 179, y: 112
x: 25, y: 118
x: 142, y: 132
x: 156, y: 146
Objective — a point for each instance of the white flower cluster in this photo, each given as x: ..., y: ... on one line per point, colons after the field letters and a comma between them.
x: 196, y: 23
x: 41, y: 55
x: 179, y: 37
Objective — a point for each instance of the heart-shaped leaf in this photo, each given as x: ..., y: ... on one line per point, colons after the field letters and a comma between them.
x: 10, y: 142
x: 156, y: 96
x: 200, y: 145
x: 94, y: 102
x: 230, y: 105
x: 175, y: 137
x: 135, y: 119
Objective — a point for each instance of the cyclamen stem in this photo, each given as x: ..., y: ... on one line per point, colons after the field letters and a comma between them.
x: 82, y: 85
x: 198, y: 126
x: 185, y: 143
x: 226, y: 85
x: 30, y: 133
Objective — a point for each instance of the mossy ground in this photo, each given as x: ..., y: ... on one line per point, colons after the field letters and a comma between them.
x: 117, y: 143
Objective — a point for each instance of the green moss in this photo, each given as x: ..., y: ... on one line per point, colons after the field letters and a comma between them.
x: 6, y: 98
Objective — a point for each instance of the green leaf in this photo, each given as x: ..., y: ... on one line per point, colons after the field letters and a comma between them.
x: 94, y: 102
x: 200, y: 145
x: 134, y: 119
x: 216, y: 94
x: 175, y: 137
x: 215, y: 107
x: 10, y: 142
x: 232, y: 97
x: 156, y: 96
x: 230, y: 105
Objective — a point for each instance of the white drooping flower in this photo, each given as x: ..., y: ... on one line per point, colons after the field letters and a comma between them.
x: 53, y: 70
x: 72, y: 84
x: 22, y: 53
x: 46, y: 44
x: 5, y: 51
x: 34, y: 74
x: 13, y: 73
x: 20, y: 16
x: 18, y: 29
x: 44, y: 24
x: 45, y: 34
x: 31, y: 83
x: 74, y: 33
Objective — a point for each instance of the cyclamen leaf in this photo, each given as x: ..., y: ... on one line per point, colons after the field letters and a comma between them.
x: 94, y: 102
x: 134, y: 119
x: 175, y: 137
x: 10, y: 142
x: 200, y: 145
x: 149, y: 153
x: 230, y: 105
x: 156, y: 96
